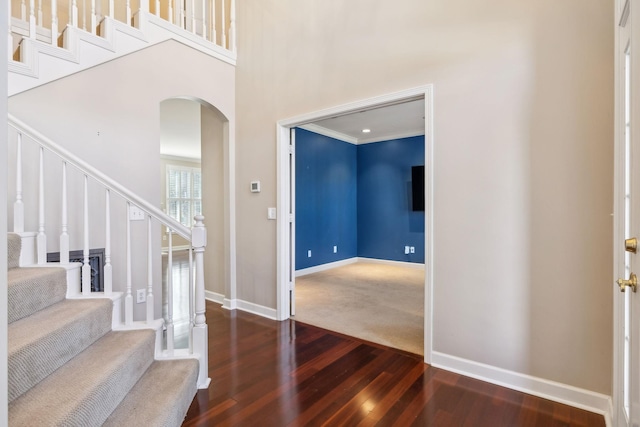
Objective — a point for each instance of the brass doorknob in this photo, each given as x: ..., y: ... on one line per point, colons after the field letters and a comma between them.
x: 631, y: 283
x: 631, y: 245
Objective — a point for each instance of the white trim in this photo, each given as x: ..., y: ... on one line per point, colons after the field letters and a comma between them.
x: 283, y: 185
x: 169, y: 157
x: 558, y: 392
x: 213, y: 297
x: 165, y: 249
x: 249, y: 307
x: 392, y: 137
x: 416, y: 265
x: 321, y: 130
x: 325, y: 267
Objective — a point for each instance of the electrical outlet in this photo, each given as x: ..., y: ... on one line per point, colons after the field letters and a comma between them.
x: 141, y: 296
x: 309, y: 253
x: 412, y: 249
x: 335, y: 249
x: 406, y: 250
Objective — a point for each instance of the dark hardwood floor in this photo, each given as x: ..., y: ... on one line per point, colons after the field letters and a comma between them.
x: 267, y: 373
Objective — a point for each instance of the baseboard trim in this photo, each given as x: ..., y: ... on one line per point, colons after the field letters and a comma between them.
x: 260, y: 310
x: 327, y: 266
x: 389, y: 262
x: 558, y: 392
x: 214, y: 297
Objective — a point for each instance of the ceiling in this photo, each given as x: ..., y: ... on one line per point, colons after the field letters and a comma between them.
x: 385, y: 123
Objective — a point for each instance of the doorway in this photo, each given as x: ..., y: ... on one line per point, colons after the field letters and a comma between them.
x: 286, y: 198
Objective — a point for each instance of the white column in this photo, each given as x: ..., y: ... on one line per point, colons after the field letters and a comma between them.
x: 108, y: 270
x: 232, y: 27
x: 223, y: 25
x: 128, y: 12
x: 157, y: 8
x: 64, y: 235
x: 150, y: 315
x: 170, y: 327
x: 191, y: 305
x: 128, y: 299
x: 18, y: 205
x: 200, y: 337
x: 54, y: 22
x: 41, y: 239
x: 112, y: 13
x: 86, y: 268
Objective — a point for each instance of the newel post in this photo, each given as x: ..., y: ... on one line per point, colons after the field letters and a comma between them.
x: 199, y: 332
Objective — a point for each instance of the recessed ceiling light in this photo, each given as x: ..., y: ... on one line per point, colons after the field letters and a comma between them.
x: 366, y: 130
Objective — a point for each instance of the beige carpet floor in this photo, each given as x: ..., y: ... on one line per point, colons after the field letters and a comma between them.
x: 375, y: 302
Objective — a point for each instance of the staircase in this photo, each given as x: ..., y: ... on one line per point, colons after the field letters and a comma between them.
x: 51, y: 39
x: 68, y: 366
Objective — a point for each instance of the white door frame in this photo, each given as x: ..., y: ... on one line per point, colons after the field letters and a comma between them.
x: 283, y: 171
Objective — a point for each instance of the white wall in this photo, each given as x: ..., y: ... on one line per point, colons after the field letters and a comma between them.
x: 523, y: 159
x: 121, y: 99
x: 180, y: 128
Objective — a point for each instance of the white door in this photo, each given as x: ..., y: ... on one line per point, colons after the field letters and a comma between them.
x: 627, y: 218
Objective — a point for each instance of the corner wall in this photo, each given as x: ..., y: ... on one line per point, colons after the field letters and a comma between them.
x: 523, y: 159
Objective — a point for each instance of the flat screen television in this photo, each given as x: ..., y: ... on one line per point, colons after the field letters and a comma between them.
x: 417, y: 188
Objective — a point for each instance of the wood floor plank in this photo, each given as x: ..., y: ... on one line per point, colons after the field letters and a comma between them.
x: 268, y: 373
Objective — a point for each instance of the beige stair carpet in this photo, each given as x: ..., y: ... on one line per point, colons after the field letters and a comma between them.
x: 380, y: 303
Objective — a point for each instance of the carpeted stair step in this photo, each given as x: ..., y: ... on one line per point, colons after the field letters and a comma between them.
x: 86, y: 390
x: 161, y: 398
x: 14, y: 245
x: 32, y: 289
x: 41, y: 343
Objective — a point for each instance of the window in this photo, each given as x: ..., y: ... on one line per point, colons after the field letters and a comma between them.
x: 184, y: 193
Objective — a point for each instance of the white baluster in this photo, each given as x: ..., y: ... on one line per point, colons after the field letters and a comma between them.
x: 128, y: 22
x: 86, y: 268
x: 232, y: 27
x: 41, y: 239
x: 112, y: 13
x: 200, y: 339
x: 108, y: 269
x: 144, y: 5
x: 157, y: 7
x: 9, y: 34
x: 193, y: 16
x: 32, y: 19
x: 191, y: 294
x: 128, y: 299
x: 182, y: 13
x: 54, y: 22
x: 223, y: 22
x: 64, y: 236
x: 213, y: 21
x: 170, y: 12
x: 18, y: 205
x: 74, y: 13
x: 170, y: 327
x: 23, y: 10
x: 93, y: 17
x: 40, y: 13
x: 149, y: 272
x: 204, y: 19
x: 84, y: 15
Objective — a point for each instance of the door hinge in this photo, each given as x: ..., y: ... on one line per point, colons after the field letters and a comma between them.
x: 290, y: 286
x: 291, y: 218
x: 292, y: 149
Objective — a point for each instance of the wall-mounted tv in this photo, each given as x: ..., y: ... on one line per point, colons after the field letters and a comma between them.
x: 417, y: 187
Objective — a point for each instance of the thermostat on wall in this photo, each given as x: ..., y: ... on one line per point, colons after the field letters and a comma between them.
x: 255, y: 186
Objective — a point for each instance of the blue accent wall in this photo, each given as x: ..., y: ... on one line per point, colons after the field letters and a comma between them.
x: 326, y: 201
x: 357, y: 197
x: 386, y: 221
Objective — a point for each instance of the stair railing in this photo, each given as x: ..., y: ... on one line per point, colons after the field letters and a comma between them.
x: 196, y: 236
x: 204, y: 18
